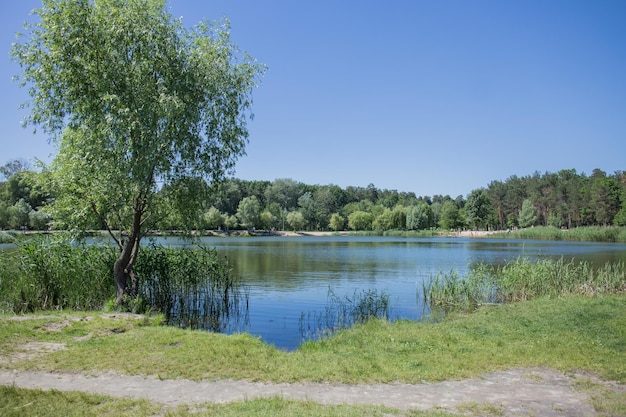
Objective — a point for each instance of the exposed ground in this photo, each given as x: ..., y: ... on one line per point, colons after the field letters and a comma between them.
x: 516, y: 392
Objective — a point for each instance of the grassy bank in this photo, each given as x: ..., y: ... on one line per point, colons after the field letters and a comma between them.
x: 574, y: 333
x: 571, y: 333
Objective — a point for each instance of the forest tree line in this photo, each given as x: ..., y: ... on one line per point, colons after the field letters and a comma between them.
x: 563, y: 199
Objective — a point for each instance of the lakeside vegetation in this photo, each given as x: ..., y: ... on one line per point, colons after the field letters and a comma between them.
x: 135, y: 156
x: 522, y: 280
x: 562, y: 200
x: 569, y: 333
x: 192, y: 285
x: 578, y: 234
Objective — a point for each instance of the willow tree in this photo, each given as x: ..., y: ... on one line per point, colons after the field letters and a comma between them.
x: 144, y: 112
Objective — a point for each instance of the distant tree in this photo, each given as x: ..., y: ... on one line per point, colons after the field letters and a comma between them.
x: 4, y: 215
x: 249, y: 212
x: 268, y: 220
x: 135, y: 101
x: 362, y: 205
x: 389, y: 199
x: 25, y: 185
x: 226, y: 196
x: 419, y: 217
x: 360, y: 220
x: 295, y: 220
x: 528, y: 214
x: 450, y: 217
x: 38, y: 220
x: 13, y: 167
x: 284, y: 192
x: 496, y: 191
x: 230, y: 221
x: 19, y: 214
x: 383, y: 221
x: 436, y: 209
x: 479, y: 210
x: 337, y: 222
x: 605, y: 199
x: 213, y: 219
x: 620, y: 217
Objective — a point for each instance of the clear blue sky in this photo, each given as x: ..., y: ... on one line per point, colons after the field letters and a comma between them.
x: 434, y: 97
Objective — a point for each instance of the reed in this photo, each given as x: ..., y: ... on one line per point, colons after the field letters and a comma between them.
x: 55, y: 273
x: 522, y: 280
x: 344, y: 312
x: 577, y: 234
x: 193, y: 287
x: 450, y: 291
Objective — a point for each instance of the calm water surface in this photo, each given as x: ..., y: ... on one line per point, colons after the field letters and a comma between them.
x: 291, y: 276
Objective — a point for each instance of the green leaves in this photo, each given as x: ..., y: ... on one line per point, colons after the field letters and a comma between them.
x: 135, y: 101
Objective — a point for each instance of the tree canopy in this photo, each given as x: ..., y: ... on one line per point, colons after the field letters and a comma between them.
x: 145, y: 112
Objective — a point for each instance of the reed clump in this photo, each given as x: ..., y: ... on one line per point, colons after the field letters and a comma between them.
x: 576, y: 234
x: 46, y: 273
x: 194, y: 287
x: 522, y: 280
x: 344, y: 312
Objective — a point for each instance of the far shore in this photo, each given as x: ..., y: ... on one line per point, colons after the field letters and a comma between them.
x: 286, y: 233
x: 463, y: 233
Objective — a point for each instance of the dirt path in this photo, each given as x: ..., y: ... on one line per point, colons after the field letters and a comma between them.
x: 517, y: 392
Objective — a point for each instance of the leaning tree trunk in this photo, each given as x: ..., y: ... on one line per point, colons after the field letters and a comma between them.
x: 120, y: 279
x: 120, y: 271
x: 123, y: 267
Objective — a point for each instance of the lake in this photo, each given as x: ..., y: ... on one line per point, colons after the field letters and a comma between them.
x: 288, y: 277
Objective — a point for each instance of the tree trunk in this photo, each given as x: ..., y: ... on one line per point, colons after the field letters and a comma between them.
x: 123, y: 267
x: 121, y: 281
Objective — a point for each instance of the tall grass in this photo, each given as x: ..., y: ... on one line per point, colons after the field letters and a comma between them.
x: 53, y: 273
x: 522, y: 280
x: 344, y: 312
x: 194, y: 287
x: 577, y: 234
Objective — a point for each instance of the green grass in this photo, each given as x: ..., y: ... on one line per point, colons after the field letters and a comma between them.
x: 16, y: 402
x: 570, y: 333
x: 605, y: 401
